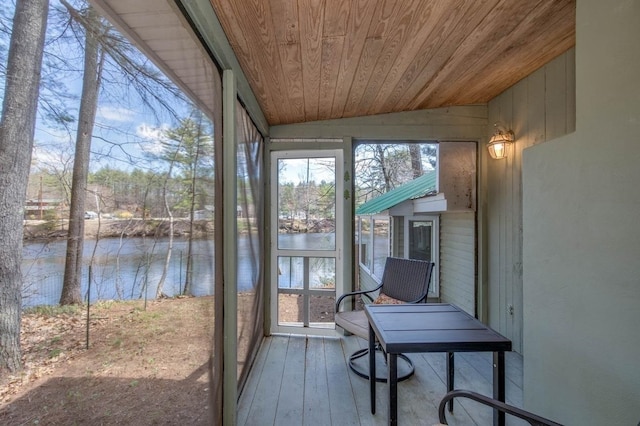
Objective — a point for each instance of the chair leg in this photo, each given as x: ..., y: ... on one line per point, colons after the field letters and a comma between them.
x: 363, y: 371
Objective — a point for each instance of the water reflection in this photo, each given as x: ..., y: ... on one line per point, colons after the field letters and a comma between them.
x: 123, y: 269
x: 318, y: 272
x: 307, y: 241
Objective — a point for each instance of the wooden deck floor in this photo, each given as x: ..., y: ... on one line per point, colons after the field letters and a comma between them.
x: 306, y: 381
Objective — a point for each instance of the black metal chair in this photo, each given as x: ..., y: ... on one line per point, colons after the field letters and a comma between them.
x: 403, y: 281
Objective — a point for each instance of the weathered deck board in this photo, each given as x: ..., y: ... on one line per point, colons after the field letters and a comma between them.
x: 291, y: 399
x: 316, y: 386
x: 342, y: 402
x: 307, y: 381
x: 265, y: 401
x: 249, y: 391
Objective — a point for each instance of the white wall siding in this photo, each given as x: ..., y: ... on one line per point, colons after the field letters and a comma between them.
x: 458, y: 260
x: 538, y: 108
x: 367, y: 282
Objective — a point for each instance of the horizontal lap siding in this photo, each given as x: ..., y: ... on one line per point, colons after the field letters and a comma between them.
x: 458, y: 260
x: 367, y: 282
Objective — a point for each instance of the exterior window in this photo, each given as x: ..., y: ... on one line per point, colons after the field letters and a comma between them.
x: 380, y: 250
x: 373, y: 243
x: 422, y: 241
x: 365, y: 241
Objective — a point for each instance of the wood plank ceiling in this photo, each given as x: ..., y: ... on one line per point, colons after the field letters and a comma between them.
x: 310, y: 60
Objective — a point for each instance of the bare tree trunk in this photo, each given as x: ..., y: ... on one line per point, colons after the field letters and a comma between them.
x: 17, y: 127
x: 416, y: 160
x: 386, y: 173
x: 189, y: 273
x: 167, y: 259
x: 93, y: 59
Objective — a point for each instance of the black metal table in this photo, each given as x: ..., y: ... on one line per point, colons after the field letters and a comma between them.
x: 431, y: 327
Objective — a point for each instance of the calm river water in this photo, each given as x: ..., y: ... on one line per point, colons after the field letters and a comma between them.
x: 123, y: 269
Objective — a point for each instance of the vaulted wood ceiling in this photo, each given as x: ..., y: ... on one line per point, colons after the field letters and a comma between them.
x: 310, y: 60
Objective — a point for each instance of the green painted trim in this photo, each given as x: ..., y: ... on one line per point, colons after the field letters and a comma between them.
x: 462, y: 123
x: 307, y: 145
x: 229, y: 213
x: 482, y: 235
x: 348, y: 218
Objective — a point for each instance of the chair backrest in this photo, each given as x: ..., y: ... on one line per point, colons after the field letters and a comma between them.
x: 406, y: 279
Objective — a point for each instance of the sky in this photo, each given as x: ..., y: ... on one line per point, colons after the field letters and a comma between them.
x: 125, y: 130
x: 305, y: 170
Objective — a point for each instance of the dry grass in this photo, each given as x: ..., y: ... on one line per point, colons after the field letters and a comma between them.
x: 142, y: 366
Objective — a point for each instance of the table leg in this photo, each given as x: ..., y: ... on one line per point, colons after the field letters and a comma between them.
x: 450, y: 376
x: 498, y: 386
x: 372, y: 369
x: 392, y: 379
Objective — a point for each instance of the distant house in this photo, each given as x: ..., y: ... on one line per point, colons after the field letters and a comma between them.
x: 41, y: 209
x: 206, y: 213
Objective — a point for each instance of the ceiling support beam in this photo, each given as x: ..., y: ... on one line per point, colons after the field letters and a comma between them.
x: 230, y: 247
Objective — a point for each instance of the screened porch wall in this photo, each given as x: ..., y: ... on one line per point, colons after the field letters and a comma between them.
x: 454, y: 124
x: 250, y: 236
x: 538, y: 108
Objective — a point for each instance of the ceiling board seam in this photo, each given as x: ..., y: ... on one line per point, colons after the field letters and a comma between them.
x: 534, y: 15
x: 393, y: 42
x: 344, y: 73
x: 446, y: 68
x: 395, y: 74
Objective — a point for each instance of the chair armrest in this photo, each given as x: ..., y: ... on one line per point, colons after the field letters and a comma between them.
x: 354, y: 293
x: 533, y: 419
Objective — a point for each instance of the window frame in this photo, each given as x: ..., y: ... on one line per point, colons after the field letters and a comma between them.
x: 434, y: 289
x: 369, y: 237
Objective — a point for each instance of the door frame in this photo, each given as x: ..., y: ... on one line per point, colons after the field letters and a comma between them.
x: 275, y: 252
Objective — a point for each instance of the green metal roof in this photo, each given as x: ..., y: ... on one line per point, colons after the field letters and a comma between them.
x: 417, y: 188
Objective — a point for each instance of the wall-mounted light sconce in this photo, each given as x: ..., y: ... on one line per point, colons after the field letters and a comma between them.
x: 500, y: 142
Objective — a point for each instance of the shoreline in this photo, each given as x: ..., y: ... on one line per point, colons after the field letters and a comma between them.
x: 43, y: 230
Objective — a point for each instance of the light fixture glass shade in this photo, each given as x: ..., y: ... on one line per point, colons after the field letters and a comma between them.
x: 499, y: 144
